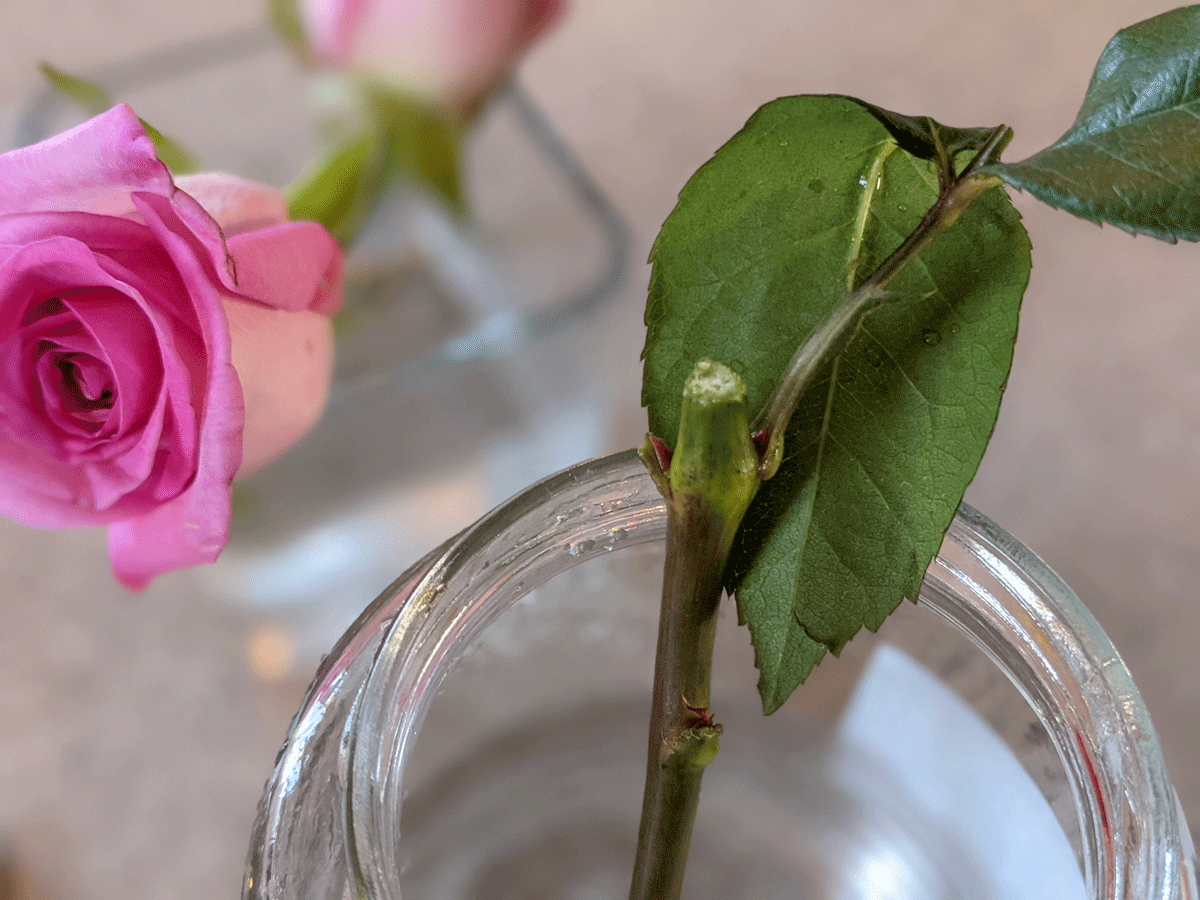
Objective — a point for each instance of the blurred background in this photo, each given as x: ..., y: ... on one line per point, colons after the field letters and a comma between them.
x: 136, y: 731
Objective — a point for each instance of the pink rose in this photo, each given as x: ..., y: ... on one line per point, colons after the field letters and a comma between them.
x: 136, y: 313
x: 444, y: 51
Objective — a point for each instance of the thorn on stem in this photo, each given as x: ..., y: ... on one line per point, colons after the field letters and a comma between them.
x: 762, y: 440
x: 662, y: 451
x: 703, y: 716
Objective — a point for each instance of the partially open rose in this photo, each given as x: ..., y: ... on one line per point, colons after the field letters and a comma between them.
x: 442, y: 51
x: 130, y: 304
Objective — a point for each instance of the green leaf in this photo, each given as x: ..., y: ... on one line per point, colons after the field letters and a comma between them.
x: 925, y: 138
x: 91, y: 96
x: 1132, y: 158
x: 767, y: 237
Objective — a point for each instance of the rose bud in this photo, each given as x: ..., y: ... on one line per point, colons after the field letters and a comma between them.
x: 448, y: 52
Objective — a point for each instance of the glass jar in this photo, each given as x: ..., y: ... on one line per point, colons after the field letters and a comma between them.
x: 480, y: 733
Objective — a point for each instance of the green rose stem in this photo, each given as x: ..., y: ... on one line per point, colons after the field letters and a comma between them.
x: 712, y: 477
x: 709, y: 482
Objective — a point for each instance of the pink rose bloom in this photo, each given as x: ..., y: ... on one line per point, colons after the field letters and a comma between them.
x: 155, y: 337
x: 444, y: 51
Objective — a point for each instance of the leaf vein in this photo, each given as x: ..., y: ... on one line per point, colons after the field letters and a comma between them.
x: 872, y: 479
x: 899, y: 368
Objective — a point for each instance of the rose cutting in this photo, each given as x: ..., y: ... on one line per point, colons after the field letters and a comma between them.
x: 157, y: 336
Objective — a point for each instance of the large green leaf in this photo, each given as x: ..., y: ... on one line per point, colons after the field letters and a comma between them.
x: 808, y: 198
x: 1132, y: 158
x: 925, y: 138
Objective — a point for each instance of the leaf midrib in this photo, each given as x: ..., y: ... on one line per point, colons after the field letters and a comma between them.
x: 1074, y: 136
x: 810, y: 500
x: 863, y: 215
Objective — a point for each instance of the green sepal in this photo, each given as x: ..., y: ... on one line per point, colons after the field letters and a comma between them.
x: 342, y: 188
x: 92, y: 97
x: 172, y: 153
x: 424, y: 142
x: 284, y: 16
x: 95, y: 99
x: 401, y: 141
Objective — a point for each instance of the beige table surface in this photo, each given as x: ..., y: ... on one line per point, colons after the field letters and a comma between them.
x: 134, y: 738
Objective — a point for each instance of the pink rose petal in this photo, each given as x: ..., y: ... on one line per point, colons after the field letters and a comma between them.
x: 94, y: 167
x: 285, y: 361
x: 293, y: 266
x: 237, y: 205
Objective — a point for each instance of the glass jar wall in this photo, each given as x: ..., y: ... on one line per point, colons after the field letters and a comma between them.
x: 480, y: 733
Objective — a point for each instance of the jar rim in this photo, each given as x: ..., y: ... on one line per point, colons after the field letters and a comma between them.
x: 983, y: 581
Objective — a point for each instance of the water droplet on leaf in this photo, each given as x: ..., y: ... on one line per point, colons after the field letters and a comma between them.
x: 931, y: 336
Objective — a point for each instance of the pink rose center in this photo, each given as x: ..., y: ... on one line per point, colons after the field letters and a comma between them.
x: 76, y: 388
x: 87, y: 350
x: 87, y: 386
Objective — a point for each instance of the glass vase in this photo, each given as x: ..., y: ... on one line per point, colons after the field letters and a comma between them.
x: 480, y: 733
